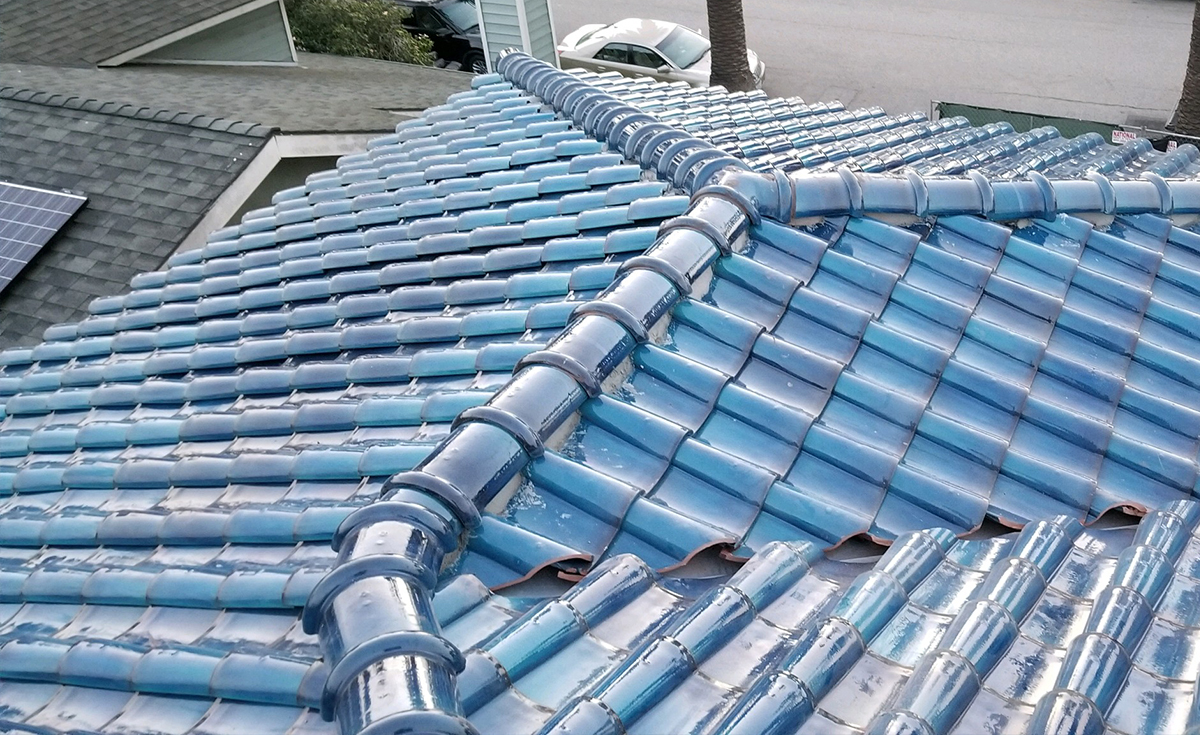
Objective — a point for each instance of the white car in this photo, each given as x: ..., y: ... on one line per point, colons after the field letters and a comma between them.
x: 647, y: 48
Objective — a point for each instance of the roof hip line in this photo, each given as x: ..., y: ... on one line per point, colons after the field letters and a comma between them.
x: 373, y: 613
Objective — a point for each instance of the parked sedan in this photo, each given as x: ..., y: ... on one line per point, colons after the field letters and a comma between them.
x: 453, y: 26
x: 649, y: 48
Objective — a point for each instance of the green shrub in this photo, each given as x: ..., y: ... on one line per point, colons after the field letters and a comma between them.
x: 367, y: 28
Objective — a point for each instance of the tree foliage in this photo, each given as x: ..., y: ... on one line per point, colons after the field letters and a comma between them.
x: 366, y: 28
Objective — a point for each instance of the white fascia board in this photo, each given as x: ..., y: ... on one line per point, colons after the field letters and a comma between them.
x: 183, y: 33
x: 287, y: 29
x: 553, y: 33
x: 188, y: 62
x: 487, y: 50
x: 523, y: 24
x: 234, y: 196
x: 324, y: 144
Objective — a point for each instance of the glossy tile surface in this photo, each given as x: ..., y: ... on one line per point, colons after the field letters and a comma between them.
x: 177, y: 464
x: 1053, y: 629
x: 866, y: 374
x: 592, y: 322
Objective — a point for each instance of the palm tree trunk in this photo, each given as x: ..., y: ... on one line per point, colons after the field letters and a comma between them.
x: 727, y: 30
x: 1187, y: 114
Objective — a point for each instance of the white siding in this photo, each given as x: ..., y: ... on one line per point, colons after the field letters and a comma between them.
x: 501, y: 25
x: 541, y: 35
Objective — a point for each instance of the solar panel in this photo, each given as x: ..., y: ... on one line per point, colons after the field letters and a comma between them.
x: 29, y: 217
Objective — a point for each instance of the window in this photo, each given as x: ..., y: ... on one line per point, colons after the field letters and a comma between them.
x: 639, y: 56
x: 425, y: 19
x: 461, y: 14
x: 684, y: 47
x: 617, y: 53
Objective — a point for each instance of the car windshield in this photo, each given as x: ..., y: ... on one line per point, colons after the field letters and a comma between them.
x: 684, y: 47
x: 462, y: 14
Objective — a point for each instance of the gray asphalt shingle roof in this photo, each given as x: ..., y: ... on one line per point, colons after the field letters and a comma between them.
x: 149, y: 177
x: 86, y: 32
x: 323, y: 93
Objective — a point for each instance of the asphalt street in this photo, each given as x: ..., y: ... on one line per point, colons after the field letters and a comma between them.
x: 1116, y: 61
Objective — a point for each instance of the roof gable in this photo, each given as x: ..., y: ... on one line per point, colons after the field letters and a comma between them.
x: 257, y: 33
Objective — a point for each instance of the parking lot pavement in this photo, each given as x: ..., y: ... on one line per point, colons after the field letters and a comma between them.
x: 1117, y: 61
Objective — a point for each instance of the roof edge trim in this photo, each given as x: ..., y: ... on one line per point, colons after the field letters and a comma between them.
x: 230, y: 200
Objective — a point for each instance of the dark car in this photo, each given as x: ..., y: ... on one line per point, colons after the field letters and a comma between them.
x: 453, y: 26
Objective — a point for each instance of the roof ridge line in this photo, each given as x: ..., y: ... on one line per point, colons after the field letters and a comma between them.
x: 188, y: 119
x: 848, y: 192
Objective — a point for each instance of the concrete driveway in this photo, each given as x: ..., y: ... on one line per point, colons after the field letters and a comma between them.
x: 1116, y: 61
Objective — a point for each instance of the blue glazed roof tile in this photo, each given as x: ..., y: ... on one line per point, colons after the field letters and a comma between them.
x: 599, y: 325
x: 940, y: 635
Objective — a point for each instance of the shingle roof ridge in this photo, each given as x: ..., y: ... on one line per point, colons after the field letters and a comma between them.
x: 203, y: 122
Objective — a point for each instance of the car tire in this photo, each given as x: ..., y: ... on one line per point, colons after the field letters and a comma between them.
x: 474, y: 63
